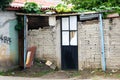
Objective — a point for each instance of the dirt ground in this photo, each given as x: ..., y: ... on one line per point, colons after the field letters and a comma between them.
x: 40, y: 70
x: 85, y: 74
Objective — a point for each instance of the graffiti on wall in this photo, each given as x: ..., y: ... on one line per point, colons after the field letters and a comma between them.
x: 5, y: 39
x: 4, y: 45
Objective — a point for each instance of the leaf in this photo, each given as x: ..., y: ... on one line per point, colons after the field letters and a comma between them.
x: 31, y: 7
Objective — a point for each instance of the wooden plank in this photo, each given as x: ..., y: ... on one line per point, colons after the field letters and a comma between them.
x: 62, y: 14
x: 30, y: 56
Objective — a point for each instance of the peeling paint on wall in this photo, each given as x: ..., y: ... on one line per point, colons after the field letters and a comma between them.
x: 8, y: 41
x: 4, y: 35
x: 3, y: 49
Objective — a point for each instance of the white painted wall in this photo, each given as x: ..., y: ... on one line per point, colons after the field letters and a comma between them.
x: 8, y: 40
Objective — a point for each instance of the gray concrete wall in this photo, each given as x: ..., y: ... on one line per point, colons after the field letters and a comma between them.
x: 89, y: 45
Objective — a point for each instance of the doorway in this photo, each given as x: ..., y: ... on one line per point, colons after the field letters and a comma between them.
x: 69, y: 43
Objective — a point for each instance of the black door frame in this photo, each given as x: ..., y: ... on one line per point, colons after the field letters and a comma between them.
x: 69, y: 39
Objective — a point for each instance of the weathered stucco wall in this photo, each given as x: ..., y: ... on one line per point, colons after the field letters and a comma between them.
x: 8, y: 41
x: 89, y: 45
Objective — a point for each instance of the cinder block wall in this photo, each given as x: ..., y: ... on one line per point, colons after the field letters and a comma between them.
x: 47, y: 41
x: 112, y: 42
x: 89, y: 45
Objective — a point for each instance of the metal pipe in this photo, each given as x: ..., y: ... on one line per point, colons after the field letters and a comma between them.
x: 102, y: 43
x: 25, y: 41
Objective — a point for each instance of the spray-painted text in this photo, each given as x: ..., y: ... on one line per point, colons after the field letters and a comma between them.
x: 5, y: 39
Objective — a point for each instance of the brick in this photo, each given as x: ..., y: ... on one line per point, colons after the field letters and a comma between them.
x: 89, y: 43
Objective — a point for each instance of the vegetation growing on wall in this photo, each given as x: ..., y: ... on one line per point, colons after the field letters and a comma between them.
x: 20, y: 24
x: 4, y: 3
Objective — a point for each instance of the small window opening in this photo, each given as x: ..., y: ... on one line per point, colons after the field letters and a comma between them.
x: 35, y: 22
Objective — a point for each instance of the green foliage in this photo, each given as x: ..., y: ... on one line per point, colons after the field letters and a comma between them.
x: 105, y: 8
x: 95, y: 5
x: 20, y: 25
x: 31, y: 7
x: 4, y: 3
x: 60, y: 8
x: 2, y: 73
